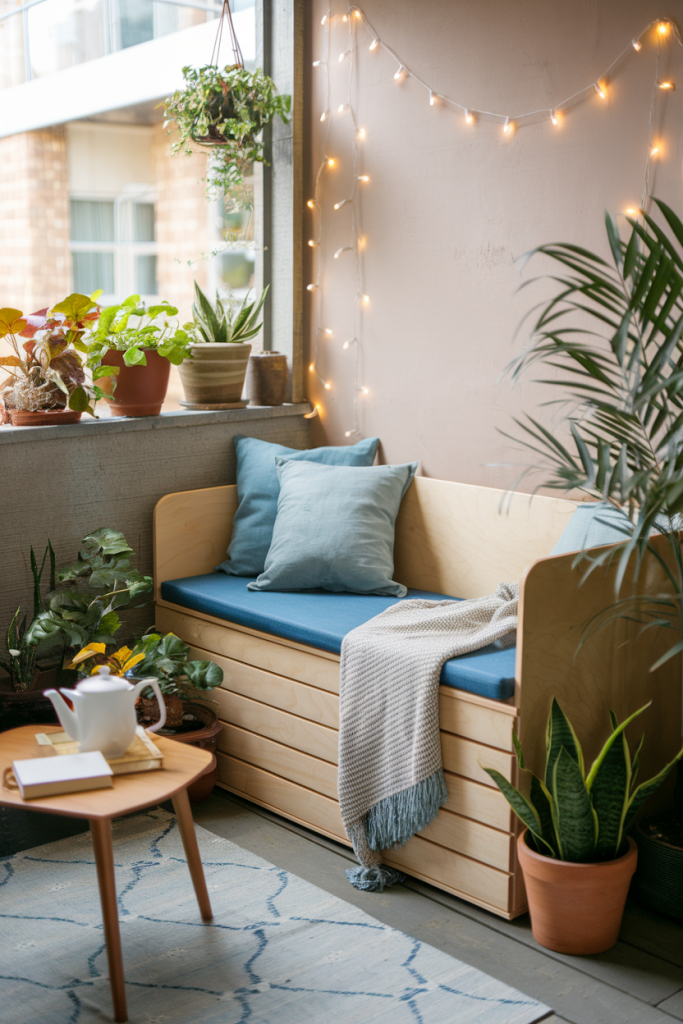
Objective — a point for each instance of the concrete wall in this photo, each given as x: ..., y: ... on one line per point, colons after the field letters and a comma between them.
x: 451, y: 207
x: 62, y: 482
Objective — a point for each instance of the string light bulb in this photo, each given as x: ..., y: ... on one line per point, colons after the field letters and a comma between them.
x: 342, y: 108
x: 364, y: 391
x: 311, y: 287
x: 315, y: 411
x: 327, y: 385
x: 310, y: 204
x: 311, y: 367
x: 654, y: 151
x: 508, y: 126
x: 327, y: 331
x: 553, y: 117
x: 331, y: 162
x: 346, y: 344
x: 667, y: 85
x: 366, y: 299
x: 344, y: 55
x: 347, y: 433
x: 364, y: 178
x: 374, y: 44
x: 343, y: 202
x: 317, y: 63
x: 663, y: 28
x: 637, y: 45
x: 312, y: 243
x: 399, y: 74
x: 469, y: 118
x: 361, y: 133
x: 345, y: 18
x: 631, y: 211
x: 344, y: 248
x: 432, y: 98
x: 600, y: 89
x: 323, y: 20
x: 323, y: 116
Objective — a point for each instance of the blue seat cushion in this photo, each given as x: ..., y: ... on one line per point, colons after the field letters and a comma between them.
x: 319, y: 618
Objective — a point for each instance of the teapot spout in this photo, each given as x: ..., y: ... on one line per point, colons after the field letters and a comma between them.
x: 67, y: 718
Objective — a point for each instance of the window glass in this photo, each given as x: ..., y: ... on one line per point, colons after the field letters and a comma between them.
x: 92, y: 221
x: 92, y: 271
x: 143, y: 222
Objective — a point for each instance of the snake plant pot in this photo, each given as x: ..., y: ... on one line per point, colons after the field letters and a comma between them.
x: 215, y: 373
x: 576, y: 908
x: 659, y: 879
x: 140, y: 390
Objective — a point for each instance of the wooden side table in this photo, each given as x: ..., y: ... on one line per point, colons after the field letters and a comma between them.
x: 182, y: 765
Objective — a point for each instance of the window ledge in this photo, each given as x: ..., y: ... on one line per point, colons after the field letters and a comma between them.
x: 124, y: 424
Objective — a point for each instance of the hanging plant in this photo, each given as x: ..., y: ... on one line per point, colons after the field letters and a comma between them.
x: 227, y: 109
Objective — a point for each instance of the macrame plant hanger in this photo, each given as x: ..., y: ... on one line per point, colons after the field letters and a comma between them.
x: 226, y: 15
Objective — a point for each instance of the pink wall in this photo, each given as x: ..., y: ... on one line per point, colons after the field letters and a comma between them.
x: 450, y: 207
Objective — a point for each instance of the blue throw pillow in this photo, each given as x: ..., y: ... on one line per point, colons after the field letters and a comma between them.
x: 335, y: 528
x: 258, y: 488
x: 594, y: 524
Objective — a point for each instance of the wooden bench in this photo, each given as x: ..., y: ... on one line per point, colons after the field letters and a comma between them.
x: 279, y: 704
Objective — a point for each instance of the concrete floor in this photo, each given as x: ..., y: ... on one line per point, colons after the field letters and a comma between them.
x: 640, y: 981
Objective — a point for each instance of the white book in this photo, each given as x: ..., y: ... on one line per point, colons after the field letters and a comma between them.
x: 72, y: 773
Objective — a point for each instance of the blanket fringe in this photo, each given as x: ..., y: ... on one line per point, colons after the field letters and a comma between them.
x: 373, y: 879
x: 392, y: 822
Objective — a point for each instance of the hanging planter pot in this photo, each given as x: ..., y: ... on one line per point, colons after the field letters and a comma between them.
x: 140, y: 390
x: 225, y: 109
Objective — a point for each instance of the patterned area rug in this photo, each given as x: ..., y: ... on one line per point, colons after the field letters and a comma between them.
x: 278, y: 951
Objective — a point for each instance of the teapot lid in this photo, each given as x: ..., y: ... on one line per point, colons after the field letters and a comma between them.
x: 103, y: 682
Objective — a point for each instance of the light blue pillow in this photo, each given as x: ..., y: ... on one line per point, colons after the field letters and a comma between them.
x: 593, y: 524
x: 258, y: 488
x: 335, y: 528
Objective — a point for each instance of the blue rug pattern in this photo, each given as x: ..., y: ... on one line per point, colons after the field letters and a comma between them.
x: 278, y: 951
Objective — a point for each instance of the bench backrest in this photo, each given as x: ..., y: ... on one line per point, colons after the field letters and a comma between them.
x: 451, y: 538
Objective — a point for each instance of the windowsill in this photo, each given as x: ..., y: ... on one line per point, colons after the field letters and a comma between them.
x: 122, y: 424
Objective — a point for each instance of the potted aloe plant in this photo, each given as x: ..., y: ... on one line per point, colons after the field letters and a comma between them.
x: 575, y: 852
x: 214, y: 375
x: 611, y: 335
x: 136, y: 346
x: 47, y: 381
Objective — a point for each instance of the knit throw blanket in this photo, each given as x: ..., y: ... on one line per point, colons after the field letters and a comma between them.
x: 391, y: 781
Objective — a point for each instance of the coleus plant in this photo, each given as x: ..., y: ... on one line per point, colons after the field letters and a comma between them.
x: 579, y: 816
x: 153, y: 327
x: 46, y: 370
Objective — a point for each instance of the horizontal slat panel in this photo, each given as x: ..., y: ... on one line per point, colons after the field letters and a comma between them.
x: 298, y: 733
x: 268, y: 688
x: 423, y: 859
x: 274, y: 757
x: 253, y: 650
x: 464, y: 757
x: 471, y: 838
x: 474, y: 722
x: 482, y: 803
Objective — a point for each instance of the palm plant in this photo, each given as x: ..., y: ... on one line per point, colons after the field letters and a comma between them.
x: 612, y: 332
x: 230, y: 322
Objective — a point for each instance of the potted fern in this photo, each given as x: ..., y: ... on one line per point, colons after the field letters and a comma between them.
x: 611, y: 335
x: 575, y: 852
x: 213, y: 376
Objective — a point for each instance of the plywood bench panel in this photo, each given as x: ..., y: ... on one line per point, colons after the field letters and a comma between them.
x: 458, y: 874
x: 464, y: 757
x: 470, y: 838
x: 275, y: 690
x: 260, y: 651
x: 488, y: 722
x: 303, y: 769
x: 481, y: 803
x: 298, y: 733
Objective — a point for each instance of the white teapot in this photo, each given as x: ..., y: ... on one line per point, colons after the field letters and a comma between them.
x: 104, y: 717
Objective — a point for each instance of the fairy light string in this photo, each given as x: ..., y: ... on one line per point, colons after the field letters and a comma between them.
x: 353, y: 18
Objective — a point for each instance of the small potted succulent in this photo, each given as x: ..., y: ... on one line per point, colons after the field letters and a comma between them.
x: 575, y: 852
x: 214, y: 376
x: 47, y: 382
x: 136, y: 346
x: 182, y: 680
x: 225, y: 109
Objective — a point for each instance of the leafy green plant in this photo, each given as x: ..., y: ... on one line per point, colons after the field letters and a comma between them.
x: 20, y: 652
x: 225, y: 108
x: 234, y: 323
x: 151, y: 328
x: 45, y: 371
x: 579, y: 817
x: 82, y: 607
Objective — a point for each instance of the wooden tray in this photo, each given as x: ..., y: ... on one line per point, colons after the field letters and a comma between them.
x: 142, y: 755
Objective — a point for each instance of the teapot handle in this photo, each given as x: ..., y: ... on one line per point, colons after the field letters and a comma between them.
x: 153, y: 682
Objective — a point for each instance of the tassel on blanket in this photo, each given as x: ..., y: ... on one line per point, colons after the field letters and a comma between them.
x: 392, y: 822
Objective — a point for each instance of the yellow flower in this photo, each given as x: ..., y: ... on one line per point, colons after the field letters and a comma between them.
x: 87, y: 652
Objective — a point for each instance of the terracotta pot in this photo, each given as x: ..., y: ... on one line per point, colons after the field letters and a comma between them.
x: 43, y: 417
x: 576, y: 908
x: 215, y: 373
x: 140, y: 390
x: 268, y: 378
x: 147, y: 709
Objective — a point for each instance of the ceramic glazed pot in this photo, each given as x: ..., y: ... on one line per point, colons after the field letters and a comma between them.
x: 268, y: 378
x: 215, y: 373
x: 576, y: 908
x: 140, y: 390
x: 42, y: 418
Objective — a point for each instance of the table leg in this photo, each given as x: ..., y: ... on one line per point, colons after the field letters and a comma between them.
x: 100, y: 829
x: 181, y: 806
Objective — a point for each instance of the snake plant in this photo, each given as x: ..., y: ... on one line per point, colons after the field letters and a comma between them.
x: 225, y: 323
x: 576, y: 816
